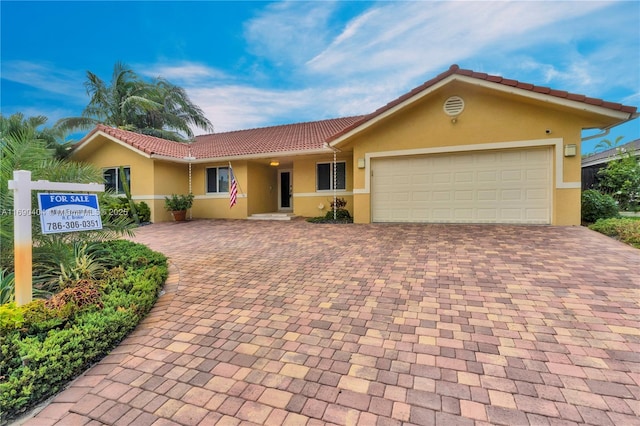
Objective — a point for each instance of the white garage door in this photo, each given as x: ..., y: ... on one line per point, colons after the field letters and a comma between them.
x: 475, y: 187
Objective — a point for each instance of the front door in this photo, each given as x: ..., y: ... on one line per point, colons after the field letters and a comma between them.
x: 285, y: 192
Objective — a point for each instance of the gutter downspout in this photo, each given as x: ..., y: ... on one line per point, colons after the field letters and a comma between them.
x: 190, y: 158
x: 335, y: 178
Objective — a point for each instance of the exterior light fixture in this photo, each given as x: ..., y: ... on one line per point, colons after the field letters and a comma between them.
x: 274, y: 163
x: 570, y: 150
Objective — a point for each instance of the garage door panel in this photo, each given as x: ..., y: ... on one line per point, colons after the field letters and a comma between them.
x: 488, y: 195
x: 511, y: 195
x: 536, y: 214
x: 537, y: 194
x: 420, y: 196
x: 511, y: 175
x: 442, y: 177
x: 487, y: 176
x: 462, y: 177
x: 487, y: 214
x: 483, y: 187
x: 441, y: 196
x: 463, y: 195
x: 537, y: 174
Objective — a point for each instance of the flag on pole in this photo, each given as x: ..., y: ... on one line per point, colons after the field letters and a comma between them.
x: 233, y: 189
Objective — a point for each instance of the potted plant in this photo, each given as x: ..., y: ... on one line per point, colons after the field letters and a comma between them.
x: 178, y: 205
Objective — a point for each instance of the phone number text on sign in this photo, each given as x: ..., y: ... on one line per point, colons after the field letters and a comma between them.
x: 69, y: 212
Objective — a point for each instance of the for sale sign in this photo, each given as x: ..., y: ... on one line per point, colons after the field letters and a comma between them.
x: 69, y: 212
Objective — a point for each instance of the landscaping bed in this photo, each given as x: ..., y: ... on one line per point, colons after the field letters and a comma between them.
x: 625, y: 229
x: 47, y: 343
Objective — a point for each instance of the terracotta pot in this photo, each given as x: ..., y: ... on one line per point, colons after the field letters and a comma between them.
x: 179, y: 215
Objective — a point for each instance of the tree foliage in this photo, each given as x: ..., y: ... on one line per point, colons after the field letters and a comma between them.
x: 156, y: 108
x: 621, y: 180
x: 606, y: 144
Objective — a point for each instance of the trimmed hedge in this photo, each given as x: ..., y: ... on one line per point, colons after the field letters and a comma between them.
x: 45, y: 344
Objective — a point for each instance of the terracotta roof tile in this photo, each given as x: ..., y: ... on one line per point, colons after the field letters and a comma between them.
x: 266, y: 140
x: 455, y: 69
x: 148, y: 144
x: 285, y: 138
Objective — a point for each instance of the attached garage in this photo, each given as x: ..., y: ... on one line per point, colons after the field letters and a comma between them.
x: 506, y: 186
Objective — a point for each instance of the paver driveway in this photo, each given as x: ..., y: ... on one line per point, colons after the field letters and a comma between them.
x: 302, y: 324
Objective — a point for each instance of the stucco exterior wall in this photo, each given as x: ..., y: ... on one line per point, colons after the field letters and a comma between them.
x: 170, y: 178
x: 262, y: 184
x: 104, y: 153
x: 211, y: 206
x: 488, y: 118
x: 306, y: 199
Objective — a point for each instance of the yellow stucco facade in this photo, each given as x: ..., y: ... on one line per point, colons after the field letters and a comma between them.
x: 489, y: 121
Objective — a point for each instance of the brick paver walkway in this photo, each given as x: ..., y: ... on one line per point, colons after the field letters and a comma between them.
x: 301, y: 324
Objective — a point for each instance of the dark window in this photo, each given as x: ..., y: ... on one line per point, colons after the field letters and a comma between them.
x: 217, y: 179
x: 112, y: 179
x: 324, y: 173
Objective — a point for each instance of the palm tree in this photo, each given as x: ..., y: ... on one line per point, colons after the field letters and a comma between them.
x: 128, y: 102
x: 606, y: 144
x: 53, y: 137
x: 174, y: 115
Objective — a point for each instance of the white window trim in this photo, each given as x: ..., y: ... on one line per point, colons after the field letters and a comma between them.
x: 322, y: 191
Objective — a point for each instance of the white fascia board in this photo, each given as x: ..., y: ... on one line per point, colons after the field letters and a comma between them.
x: 542, y: 97
x: 113, y: 139
x: 259, y: 156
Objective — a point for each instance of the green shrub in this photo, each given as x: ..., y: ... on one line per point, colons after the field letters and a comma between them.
x: 11, y: 318
x: 597, y: 206
x: 119, y: 206
x: 128, y: 254
x: 45, y: 344
x: 626, y: 230
x: 621, y: 179
x: 144, y: 211
x: 7, y: 286
x: 341, y: 214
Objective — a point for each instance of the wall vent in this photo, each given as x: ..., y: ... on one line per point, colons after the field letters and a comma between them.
x: 453, y: 106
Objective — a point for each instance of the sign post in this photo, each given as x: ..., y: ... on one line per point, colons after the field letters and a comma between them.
x: 22, y: 185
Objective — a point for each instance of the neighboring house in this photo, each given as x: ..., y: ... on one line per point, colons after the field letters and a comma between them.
x: 464, y: 147
x: 592, y: 164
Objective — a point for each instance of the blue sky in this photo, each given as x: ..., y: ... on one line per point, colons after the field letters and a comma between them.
x: 253, y: 64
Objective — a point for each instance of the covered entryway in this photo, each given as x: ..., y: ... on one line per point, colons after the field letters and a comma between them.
x: 508, y: 186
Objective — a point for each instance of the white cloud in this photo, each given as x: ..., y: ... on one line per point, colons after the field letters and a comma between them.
x: 289, y: 32
x: 236, y: 107
x: 46, y: 77
x: 408, y: 39
x: 182, y: 72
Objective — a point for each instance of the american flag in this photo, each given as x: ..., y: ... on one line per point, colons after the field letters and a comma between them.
x: 233, y: 191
